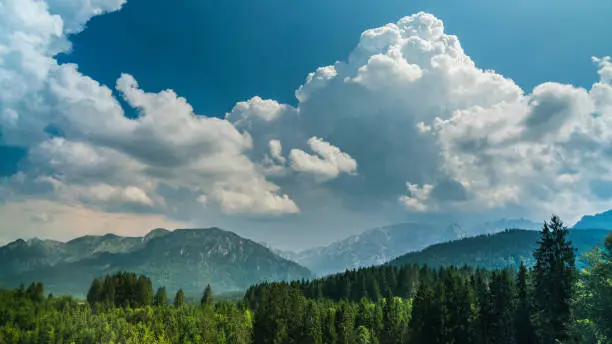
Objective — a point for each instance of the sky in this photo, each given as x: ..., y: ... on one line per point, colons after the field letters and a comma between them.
x: 297, y: 124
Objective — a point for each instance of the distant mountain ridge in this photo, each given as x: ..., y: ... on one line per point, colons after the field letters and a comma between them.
x: 26, y: 255
x: 493, y: 251
x: 183, y: 258
x: 597, y: 221
x: 379, y: 245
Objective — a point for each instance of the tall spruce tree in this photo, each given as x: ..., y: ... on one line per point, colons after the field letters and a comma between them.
x: 484, y: 304
x: 207, y: 298
x: 179, y: 299
x: 503, y: 305
x: 94, y: 295
x: 312, y: 323
x: 108, y: 290
x: 554, y: 275
x: 36, y: 292
x: 161, y: 298
x: 426, y: 321
x: 523, y: 328
x: 391, y: 326
x: 456, y: 301
x: 144, y: 292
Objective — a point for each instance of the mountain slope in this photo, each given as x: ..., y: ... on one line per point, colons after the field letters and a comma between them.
x: 184, y: 258
x: 21, y: 255
x: 379, y: 245
x: 373, y: 247
x: 597, y: 221
x: 499, y: 250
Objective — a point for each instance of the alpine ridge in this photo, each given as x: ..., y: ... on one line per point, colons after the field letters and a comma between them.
x: 185, y: 258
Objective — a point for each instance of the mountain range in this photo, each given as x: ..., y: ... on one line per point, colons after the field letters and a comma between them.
x: 380, y: 245
x: 183, y: 258
x: 493, y: 251
x: 192, y: 258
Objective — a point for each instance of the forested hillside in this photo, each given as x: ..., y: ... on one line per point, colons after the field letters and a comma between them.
x: 495, y: 251
x: 552, y: 302
x: 379, y: 245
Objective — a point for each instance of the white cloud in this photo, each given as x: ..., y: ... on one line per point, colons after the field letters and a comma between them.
x: 412, y: 107
x: 104, y: 158
x: 329, y: 162
x: 276, y: 151
x: 409, y: 108
x: 274, y: 163
x: 76, y: 13
x: 166, y: 143
x: 264, y: 109
x: 107, y: 193
x: 418, y: 196
x: 543, y: 151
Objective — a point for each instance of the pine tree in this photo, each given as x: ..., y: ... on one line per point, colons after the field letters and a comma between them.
x: 346, y: 292
x: 329, y: 331
x: 207, y: 298
x: 95, y: 292
x: 485, y: 316
x: 373, y: 288
x: 345, y: 324
x: 524, y: 331
x: 554, y: 274
x: 179, y: 299
x: 36, y: 292
x: 392, y: 330
x: 406, y: 282
x: 312, y: 323
x: 144, y: 292
x: 456, y: 301
x: 502, y: 302
x: 161, y: 298
x: 426, y: 321
x: 363, y: 335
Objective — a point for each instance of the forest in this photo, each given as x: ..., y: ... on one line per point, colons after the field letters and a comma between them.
x: 549, y: 301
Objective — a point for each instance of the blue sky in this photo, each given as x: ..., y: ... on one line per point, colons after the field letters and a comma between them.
x: 216, y: 53
x: 408, y: 126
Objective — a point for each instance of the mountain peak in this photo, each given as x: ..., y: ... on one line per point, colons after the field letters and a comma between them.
x: 204, y: 231
x: 155, y: 233
x: 16, y: 243
x: 185, y: 258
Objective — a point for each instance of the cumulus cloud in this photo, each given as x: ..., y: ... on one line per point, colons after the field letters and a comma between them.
x: 102, y: 157
x: 409, y: 119
x: 265, y: 110
x: 419, y: 195
x: 543, y: 149
x: 76, y: 13
x: 329, y: 162
x: 413, y: 109
x: 276, y: 151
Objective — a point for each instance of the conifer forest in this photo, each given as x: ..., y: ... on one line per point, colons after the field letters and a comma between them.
x: 551, y: 301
